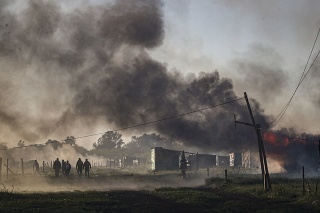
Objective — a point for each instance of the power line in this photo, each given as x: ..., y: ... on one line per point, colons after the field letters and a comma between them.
x: 303, y: 76
x: 164, y: 119
x: 146, y: 123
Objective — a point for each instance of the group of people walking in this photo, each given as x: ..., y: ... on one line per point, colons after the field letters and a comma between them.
x: 65, y: 167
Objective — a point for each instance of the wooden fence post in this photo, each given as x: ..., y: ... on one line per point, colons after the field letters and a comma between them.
x: 303, y: 187
x: 22, y: 169
x: 7, y: 168
x: 0, y: 169
x: 197, y: 161
x: 207, y: 172
x: 226, y: 175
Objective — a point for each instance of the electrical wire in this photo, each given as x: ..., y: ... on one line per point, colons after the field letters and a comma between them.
x: 303, y: 76
x: 143, y: 124
x: 164, y: 119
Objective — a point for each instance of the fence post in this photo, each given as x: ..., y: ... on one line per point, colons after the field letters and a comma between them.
x: 303, y: 187
x: 197, y: 161
x: 207, y: 172
x: 22, y: 169
x: 226, y: 175
x: 7, y: 168
x: 0, y: 168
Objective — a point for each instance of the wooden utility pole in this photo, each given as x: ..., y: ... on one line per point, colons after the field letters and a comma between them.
x: 262, y: 154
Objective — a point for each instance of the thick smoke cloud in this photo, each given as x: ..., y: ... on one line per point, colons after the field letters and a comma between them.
x: 47, y: 52
x: 261, y: 67
x: 90, y: 66
x: 92, y: 63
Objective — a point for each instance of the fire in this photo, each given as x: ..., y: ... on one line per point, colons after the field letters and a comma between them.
x: 280, y: 140
x: 274, y: 139
x: 270, y: 137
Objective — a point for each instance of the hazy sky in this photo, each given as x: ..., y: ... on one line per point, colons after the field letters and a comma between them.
x: 237, y: 37
x: 59, y: 57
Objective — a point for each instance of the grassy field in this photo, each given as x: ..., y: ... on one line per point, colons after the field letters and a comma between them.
x: 115, y: 190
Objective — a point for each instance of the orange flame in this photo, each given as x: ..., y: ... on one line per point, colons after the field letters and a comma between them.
x: 272, y: 138
x: 277, y: 140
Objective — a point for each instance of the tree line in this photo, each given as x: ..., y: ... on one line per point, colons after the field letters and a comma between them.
x: 112, y: 145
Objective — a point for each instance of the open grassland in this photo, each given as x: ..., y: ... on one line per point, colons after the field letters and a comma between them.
x: 115, y: 190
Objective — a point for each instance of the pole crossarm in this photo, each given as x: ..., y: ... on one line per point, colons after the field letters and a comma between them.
x: 247, y: 124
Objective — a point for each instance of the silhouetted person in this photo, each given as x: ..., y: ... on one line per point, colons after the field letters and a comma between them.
x: 183, y: 165
x: 56, y: 167
x: 79, y: 167
x: 63, y: 167
x: 36, y: 167
x: 87, y: 167
x: 68, y: 168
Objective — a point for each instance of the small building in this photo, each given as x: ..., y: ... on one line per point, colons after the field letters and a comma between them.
x: 112, y: 163
x: 164, y: 159
x: 246, y: 160
x: 142, y: 161
x: 198, y: 161
x: 235, y: 159
x: 127, y: 161
x: 223, y: 161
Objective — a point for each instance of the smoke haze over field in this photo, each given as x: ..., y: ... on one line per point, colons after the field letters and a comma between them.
x: 77, y: 70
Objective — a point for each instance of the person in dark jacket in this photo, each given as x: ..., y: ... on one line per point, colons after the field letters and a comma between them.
x: 87, y: 167
x: 79, y: 167
x: 36, y: 167
x: 63, y: 167
x: 68, y: 168
x: 56, y: 167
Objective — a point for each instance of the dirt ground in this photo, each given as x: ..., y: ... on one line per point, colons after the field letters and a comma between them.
x: 119, y: 181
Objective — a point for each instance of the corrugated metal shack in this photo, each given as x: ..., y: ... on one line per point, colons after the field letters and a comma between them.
x: 223, y: 161
x: 235, y: 159
x: 164, y: 159
x: 199, y: 161
x: 246, y: 160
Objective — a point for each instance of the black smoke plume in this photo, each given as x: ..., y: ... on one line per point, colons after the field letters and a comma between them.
x: 90, y: 66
